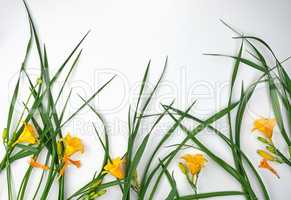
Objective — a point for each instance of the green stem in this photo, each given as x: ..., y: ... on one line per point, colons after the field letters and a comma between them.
x: 61, y: 188
x: 8, y: 176
x: 3, y: 163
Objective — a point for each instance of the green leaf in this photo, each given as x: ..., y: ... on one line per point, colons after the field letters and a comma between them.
x: 132, y: 135
x: 67, y: 77
x: 88, y: 101
x: 243, y: 60
x: 28, y: 148
x: 145, y: 182
x: 211, y: 194
x: 174, y: 192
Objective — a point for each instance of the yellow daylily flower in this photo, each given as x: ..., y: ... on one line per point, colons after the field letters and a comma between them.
x: 72, y: 145
x: 28, y: 135
x: 265, y: 125
x: 264, y: 164
x: 115, y: 168
x: 36, y: 164
x: 266, y: 155
x: 194, y: 163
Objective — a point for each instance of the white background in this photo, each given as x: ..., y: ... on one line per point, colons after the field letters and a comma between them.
x: 124, y: 36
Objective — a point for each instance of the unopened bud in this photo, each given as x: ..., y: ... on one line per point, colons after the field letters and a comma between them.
x: 263, y: 140
x: 39, y: 81
x: 94, y: 195
x: 271, y: 149
x: 5, y: 134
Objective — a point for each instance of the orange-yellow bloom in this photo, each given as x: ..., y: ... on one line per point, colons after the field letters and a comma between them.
x: 28, y: 135
x: 264, y: 164
x: 72, y: 145
x: 67, y: 161
x: 193, y: 163
x: 36, y: 164
x: 115, y: 168
x: 266, y: 155
x: 265, y: 125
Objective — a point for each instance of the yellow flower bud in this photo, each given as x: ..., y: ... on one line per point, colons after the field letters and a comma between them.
x: 59, y: 149
x: 182, y: 168
x: 4, y: 134
x: 94, y: 195
x: 266, y: 155
x: 39, y: 81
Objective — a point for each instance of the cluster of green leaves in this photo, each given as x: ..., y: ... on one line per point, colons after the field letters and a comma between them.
x: 150, y: 178
x: 40, y: 110
x: 278, y: 84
